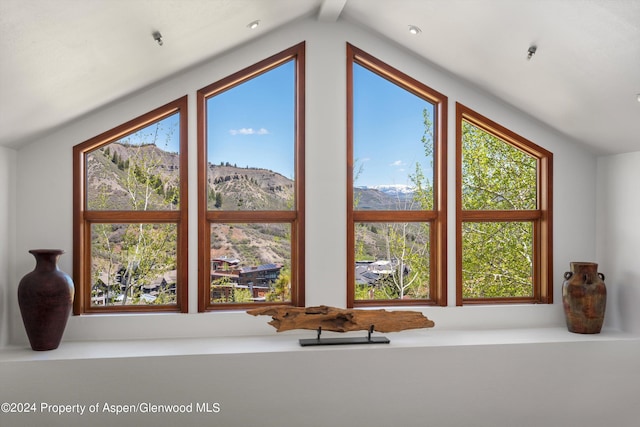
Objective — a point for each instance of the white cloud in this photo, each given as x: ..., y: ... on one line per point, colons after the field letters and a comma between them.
x: 397, y: 163
x: 248, y: 131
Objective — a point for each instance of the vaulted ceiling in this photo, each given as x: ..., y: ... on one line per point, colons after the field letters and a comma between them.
x: 61, y: 59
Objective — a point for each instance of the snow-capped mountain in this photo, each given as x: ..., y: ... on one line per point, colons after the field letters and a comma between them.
x: 393, y: 189
x: 383, y: 197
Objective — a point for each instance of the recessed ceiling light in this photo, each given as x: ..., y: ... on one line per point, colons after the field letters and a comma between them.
x: 638, y: 97
x: 157, y: 37
x: 414, y: 30
x: 253, y: 25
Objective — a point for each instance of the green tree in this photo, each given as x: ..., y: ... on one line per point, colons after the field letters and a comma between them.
x: 147, y: 253
x: 409, y: 255
x: 497, y: 256
x: 282, y: 287
x: 229, y: 291
x: 126, y: 258
x: 406, y: 245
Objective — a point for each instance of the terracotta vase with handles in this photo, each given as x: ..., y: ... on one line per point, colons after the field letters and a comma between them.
x: 584, y: 297
x: 45, y: 297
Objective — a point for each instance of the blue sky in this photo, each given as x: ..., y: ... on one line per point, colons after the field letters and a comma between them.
x: 388, y: 127
x: 252, y: 124
x: 164, y: 134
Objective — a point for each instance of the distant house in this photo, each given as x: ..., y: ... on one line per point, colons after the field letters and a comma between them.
x: 99, y: 292
x: 370, y: 272
x: 224, y: 263
x: 262, y: 276
x: 162, y: 284
x: 257, y: 279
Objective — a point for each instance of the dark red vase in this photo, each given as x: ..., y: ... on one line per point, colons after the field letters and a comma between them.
x: 584, y: 297
x: 45, y: 297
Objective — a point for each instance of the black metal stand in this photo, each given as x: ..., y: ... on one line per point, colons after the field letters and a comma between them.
x: 343, y: 341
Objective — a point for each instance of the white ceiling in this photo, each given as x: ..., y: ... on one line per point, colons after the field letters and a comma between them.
x: 60, y: 59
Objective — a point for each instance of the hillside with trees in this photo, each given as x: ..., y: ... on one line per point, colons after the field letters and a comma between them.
x: 235, y: 188
x: 135, y: 263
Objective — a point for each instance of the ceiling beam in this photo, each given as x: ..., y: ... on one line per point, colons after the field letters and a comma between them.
x: 330, y: 10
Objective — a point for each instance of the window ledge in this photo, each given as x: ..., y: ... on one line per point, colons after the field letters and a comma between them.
x: 288, y: 342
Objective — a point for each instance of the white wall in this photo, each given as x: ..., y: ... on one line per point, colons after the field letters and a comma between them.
x: 585, y: 384
x: 7, y: 237
x: 44, y: 180
x: 618, y: 211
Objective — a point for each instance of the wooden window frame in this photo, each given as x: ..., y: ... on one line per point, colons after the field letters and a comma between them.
x: 84, y: 218
x: 541, y: 218
x: 437, y: 218
x: 296, y: 217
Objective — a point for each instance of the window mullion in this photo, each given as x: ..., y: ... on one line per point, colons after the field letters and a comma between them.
x: 496, y: 170
x: 251, y: 216
x: 132, y: 216
x: 394, y: 216
x: 500, y: 215
x: 396, y: 187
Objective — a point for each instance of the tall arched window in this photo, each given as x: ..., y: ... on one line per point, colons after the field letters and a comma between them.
x: 396, y: 186
x: 251, y: 185
x: 504, y: 214
x: 130, y: 215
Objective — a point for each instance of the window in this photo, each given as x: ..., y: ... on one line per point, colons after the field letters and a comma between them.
x: 130, y: 215
x: 251, y: 185
x: 396, y: 186
x: 504, y: 250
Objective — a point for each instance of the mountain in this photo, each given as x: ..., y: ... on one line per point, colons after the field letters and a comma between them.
x: 139, y: 177
x: 383, y: 197
x: 117, y: 174
x: 118, y: 171
x: 248, y: 189
x: 117, y: 177
x: 393, y: 189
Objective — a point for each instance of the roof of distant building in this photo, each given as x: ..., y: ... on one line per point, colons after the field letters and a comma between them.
x: 263, y: 267
x: 226, y: 259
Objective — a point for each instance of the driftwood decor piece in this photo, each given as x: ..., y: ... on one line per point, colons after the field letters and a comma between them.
x: 326, y: 318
